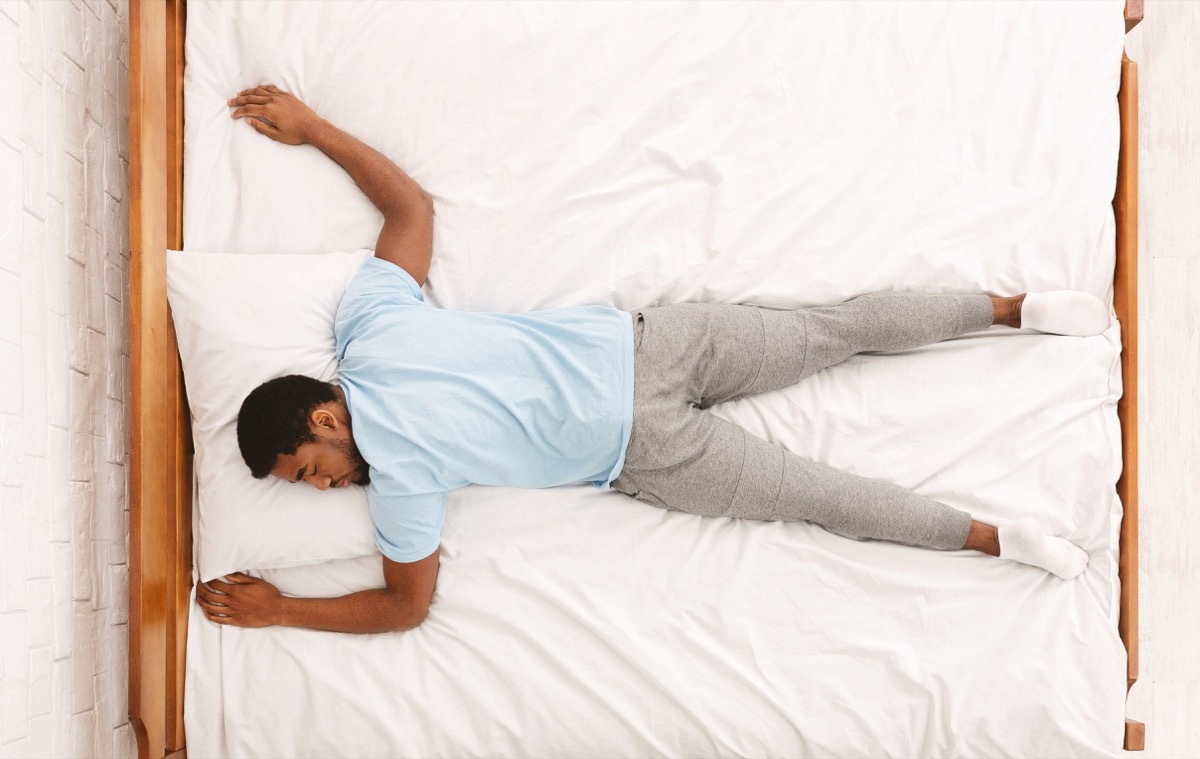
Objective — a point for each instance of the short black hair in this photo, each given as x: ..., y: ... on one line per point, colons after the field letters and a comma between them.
x: 273, y: 420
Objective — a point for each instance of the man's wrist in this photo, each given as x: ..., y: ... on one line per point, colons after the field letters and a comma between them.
x: 317, y: 132
x: 281, y: 613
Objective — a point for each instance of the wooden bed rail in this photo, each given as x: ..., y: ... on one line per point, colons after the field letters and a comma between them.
x: 160, y: 547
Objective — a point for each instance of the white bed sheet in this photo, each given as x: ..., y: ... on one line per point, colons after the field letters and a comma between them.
x: 778, y: 154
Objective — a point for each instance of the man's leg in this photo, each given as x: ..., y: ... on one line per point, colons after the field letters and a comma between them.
x: 743, y: 350
x: 723, y: 471
x: 742, y: 476
x: 828, y: 335
x: 721, y: 352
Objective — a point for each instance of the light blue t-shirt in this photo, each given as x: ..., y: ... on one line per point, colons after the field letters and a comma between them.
x: 439, y: 399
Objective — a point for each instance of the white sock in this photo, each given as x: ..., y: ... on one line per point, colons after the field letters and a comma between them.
x: 1064, y: 312
x: 1022, y: 541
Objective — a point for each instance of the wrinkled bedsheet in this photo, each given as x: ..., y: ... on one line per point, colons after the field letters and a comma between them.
x: 781, y: 154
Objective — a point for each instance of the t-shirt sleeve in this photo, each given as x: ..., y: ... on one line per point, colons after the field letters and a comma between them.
x: 377, y: 287
x: 380, y: 277
x: 409, y: 527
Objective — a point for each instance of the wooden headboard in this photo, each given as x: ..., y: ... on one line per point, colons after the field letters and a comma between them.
x: 160, y: 473
x: 160, y: 467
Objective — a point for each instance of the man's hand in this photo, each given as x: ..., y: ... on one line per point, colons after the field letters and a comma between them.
x: 243, y: 601
x: 246, y: 601
x: 277, y: 114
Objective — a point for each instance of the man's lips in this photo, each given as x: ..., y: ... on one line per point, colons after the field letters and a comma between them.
x: 342, y: 482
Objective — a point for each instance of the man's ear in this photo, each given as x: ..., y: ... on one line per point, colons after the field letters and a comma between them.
x: 322, y: 419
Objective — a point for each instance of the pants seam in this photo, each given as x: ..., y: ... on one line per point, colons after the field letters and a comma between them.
x: 741, y: 473
x: 804, y: 355
x: 762, y: 360
x: 778, y: 490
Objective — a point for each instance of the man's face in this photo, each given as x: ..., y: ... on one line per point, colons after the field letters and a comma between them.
x: 328, y: 462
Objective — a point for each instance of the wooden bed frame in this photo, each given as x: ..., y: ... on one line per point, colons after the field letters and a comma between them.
x: 160, y: 475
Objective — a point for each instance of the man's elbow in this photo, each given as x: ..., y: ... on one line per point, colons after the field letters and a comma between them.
x: 414, y: 205
x: 427, y: 203
x: 408, y: 616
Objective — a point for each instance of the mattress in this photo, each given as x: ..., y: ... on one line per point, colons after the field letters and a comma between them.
x: 777, y: 154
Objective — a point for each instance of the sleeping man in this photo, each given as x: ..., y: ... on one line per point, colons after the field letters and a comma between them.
x: 428, y: 400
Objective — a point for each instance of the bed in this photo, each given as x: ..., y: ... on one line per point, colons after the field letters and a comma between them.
x: 698, y: 155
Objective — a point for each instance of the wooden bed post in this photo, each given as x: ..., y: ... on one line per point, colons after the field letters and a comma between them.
x: 160, y: 466
x: 1133, y: 14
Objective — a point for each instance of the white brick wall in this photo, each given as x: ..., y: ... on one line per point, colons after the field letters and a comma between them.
x: 64, y: 364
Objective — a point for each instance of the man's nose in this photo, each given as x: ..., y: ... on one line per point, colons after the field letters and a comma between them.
x: 320, y: 482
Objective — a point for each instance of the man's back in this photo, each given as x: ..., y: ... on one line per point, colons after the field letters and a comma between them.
x: 441, y: 399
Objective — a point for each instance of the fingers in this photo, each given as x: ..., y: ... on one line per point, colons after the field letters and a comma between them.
x: 211, y: 607
x: 207, y: 587
x: 258, y: 120
x: 261, y: 122
x: 248, y: 100
x: 213, y: 610
x: 249, y: 110
x: 211, y: 585
x: 220, y: 619
x: 265, y: 128
x: 233, y: 578
x: 257, y: 106
x: 206, y: 595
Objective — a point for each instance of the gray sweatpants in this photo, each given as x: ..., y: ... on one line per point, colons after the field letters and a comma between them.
x: 690, y: 356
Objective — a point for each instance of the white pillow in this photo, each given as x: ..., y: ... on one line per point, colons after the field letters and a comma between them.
x: 241, y: 320
x: 327, y: 579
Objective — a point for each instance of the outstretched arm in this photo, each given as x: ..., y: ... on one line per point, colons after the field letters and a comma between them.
x: 251, y: 602
x: 407, y: 235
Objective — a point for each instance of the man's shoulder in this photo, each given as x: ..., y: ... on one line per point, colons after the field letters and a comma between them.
x: 377, y: 273
x: 375, y: 301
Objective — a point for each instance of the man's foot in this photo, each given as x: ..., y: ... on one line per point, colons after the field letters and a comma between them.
x: 1022, y: 541
x: 1063, y: 312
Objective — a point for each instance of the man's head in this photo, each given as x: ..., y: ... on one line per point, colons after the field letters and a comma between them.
x: 298, y: 428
